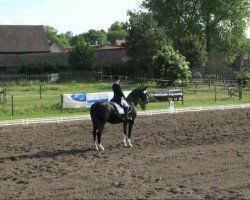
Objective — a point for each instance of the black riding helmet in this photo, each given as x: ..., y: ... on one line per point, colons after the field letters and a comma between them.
x: 116, y: 78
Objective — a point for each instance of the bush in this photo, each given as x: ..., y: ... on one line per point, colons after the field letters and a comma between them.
x: 42, y: 68
x: 242, y: 78
x: 82, y: 56
x: 171, y: 66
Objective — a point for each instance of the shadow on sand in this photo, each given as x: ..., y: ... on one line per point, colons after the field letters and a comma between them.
x: 47, y: 154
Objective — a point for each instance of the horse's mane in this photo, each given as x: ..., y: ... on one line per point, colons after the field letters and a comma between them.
x: 132, y: 95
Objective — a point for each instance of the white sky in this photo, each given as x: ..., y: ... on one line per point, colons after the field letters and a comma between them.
x: 248, y: 32
x: 77, y: 16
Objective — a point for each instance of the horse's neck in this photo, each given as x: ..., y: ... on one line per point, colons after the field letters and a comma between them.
x: 133, y: 98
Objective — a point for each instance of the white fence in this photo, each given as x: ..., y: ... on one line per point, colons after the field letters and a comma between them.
x: 143, y: 113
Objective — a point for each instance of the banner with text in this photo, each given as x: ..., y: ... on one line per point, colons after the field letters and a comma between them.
x: 74, y: 100
x: 162, y: 95
x: 87, y: 99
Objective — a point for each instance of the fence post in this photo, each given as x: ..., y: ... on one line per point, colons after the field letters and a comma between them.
x: 12, y: 105
x: 196, y: 85
x: 5, y: 95
x: 182, y: 96
x: 215, y: 94
x: 61, y: 103
x: 209, y: 83
x: 40, y: 90
x: 240, y: 90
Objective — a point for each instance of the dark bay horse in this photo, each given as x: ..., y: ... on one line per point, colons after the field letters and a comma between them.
x: 101, y: 113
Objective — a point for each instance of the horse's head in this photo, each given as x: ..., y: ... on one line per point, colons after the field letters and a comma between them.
x: 137, y: 95
x: 143, y: 95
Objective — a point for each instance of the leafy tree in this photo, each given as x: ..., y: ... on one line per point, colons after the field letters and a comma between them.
x: 96, y: 36
x: 82, y: 56
x: 195, y: 52
x: 116, y: 26
x: 75, y: 38
x: 51, y: 34
x: 170, y: 65
x: 219, y: 23
x: 62, y: 40
x: 117, y: 31
x: 144, y: 41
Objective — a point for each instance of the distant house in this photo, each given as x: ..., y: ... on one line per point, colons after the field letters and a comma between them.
x: 242, y: 63
x: 112, y: 53
x: 120, y: 42
x: 20, y: 44
x: 54, y: 48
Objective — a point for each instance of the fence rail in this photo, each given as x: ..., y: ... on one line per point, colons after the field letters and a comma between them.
x: 45, y: 98
x: 143, y: 113
x: 88, y: 76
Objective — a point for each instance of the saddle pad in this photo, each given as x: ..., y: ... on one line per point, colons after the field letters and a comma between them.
x: 118, y: 107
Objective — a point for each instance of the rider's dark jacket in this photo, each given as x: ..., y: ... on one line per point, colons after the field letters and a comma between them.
x: 118, y: 94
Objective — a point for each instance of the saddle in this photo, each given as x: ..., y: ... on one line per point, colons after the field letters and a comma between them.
x: 118, y: 108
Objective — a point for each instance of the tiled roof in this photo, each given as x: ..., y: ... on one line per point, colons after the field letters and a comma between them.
x: 23, y: 39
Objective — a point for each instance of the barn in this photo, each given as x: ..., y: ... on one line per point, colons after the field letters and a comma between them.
x: 22, y: 44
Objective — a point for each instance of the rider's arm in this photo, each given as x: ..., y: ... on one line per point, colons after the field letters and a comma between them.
x: 120, y: 91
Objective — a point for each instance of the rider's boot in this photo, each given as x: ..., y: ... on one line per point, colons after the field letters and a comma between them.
x: 127, y: 117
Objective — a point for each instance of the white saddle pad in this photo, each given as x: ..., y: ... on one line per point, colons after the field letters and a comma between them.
x: 119, y: 108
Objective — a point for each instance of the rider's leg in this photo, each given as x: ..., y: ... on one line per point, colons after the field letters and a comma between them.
x: 126, y: 110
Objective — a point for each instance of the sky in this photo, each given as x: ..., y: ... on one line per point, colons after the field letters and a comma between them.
x: 77, y: 16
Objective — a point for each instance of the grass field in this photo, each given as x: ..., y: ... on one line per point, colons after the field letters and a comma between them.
x: 28, y: 104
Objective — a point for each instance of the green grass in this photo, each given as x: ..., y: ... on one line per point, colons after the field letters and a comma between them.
x: 27, y: 102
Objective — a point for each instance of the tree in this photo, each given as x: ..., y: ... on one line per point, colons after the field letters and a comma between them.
x: 82, y: 56
x: 170, y: 65
x: 195, y: 52
x: 117, y: 31
x: 75, y: 38
x: 145, y: 39
x: 219, y: 23
x: 96, y: 37
x: 62, y: 40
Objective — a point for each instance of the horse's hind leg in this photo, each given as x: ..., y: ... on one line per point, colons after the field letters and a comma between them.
x: 131, y: 123
x: 125, y: 127
x: 99, y: 135
x: 94, y: 133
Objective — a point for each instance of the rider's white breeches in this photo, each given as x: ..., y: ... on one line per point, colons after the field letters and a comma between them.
x: 124, y: 103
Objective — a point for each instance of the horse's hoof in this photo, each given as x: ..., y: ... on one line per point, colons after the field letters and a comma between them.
x: 125, y: 141
x: 129, y: 142
x: 101, y: 147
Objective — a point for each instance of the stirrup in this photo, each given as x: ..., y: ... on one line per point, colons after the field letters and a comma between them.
x: 128, y: 118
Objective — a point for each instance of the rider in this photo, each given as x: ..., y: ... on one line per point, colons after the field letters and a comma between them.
x: 120, y: 98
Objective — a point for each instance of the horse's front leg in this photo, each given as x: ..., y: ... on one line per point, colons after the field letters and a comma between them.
x: 125, y: 139
x: 131, y: 123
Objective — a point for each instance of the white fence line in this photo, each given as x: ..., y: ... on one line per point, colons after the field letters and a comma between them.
x: 142, y: 113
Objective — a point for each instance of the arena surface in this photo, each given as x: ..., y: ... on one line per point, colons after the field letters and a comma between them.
x: 197, y: 155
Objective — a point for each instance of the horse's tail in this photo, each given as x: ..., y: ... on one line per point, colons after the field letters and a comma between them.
x: 93, y: 116
x: 95, y: 111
